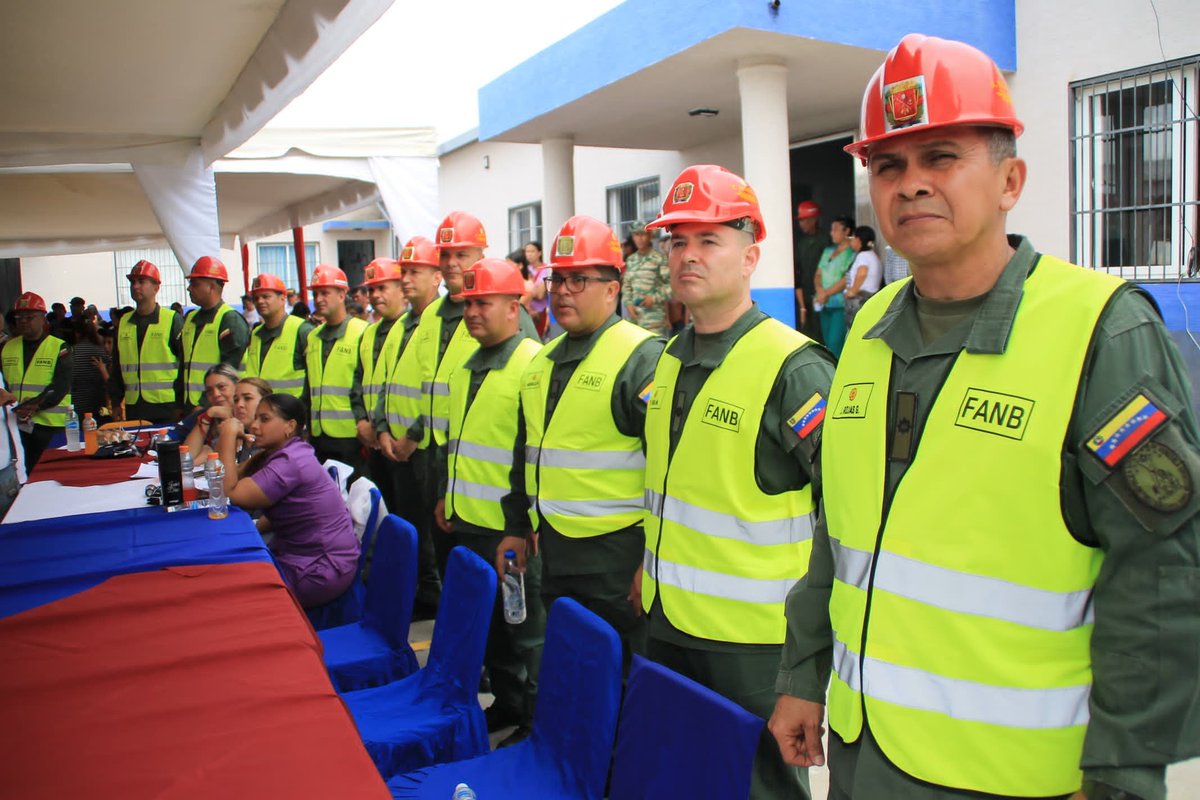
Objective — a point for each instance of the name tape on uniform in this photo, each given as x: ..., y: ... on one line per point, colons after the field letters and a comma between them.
x: 852, y: 401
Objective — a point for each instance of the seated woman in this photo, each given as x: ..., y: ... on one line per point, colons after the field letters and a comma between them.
x: 314, y: 542
x: 202, y: 426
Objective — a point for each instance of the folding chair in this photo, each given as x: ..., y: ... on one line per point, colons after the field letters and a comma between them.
x: 348, y: 607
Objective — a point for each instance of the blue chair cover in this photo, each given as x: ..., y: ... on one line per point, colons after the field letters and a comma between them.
x: 348, y: 607
x: 574, y: 724
x: 434, y: 715
x: 375, y: 650
x: 680, y: 739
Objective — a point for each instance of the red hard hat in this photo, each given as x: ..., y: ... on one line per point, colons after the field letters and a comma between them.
x: 585, y: 241
x: 492, y: 276
x: 30, y: 302
x: 209, y: 267
x: 144, y: 269
x: 419, y: 252
x: 381, y: 270
x: 807, y: 210
x: 926, y: 82
x: 266, y: 282
x: 327, y: 276
x: 708, y: 193
x: 460, y: 229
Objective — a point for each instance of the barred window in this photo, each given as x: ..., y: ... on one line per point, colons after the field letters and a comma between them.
x: 280, y: 259
x: 1135, y: 168
x: 524, y: 225
x: 174, y: 285
x: 633, y: 201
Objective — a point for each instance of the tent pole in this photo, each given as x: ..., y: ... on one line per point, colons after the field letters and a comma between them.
x: 301, y: 267
x: 245, y: 268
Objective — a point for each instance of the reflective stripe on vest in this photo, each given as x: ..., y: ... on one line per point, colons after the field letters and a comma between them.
x: 278, y: 367
x: 720, y: 553
x: 480, y: 454
x: 201, y: 353
x: 403, y: 401
x: 330, y: 383
x: 587, y: 478
x: 436, y: 394
x: 972, y: 571
x: 149, y: 373
x: 27, y: 384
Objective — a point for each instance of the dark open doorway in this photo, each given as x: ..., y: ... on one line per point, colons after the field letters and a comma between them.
x: 353, y: 255
x: 824, y: 173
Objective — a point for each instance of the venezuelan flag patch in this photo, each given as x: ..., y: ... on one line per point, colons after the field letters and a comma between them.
x: 1126, y: 429
x: 809, y: 416
x: 644, y: 394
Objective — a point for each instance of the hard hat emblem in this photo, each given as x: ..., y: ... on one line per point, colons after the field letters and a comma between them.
x: 469, y: 280
x: 446, y: 235
x: 745, y: 192
x: 904, y: 103
x: 682, y: 193
x: 23, y: 302
x: 565, y: 246
x: 481, y: 236
x: 370, y: 273
x: 406, y: 254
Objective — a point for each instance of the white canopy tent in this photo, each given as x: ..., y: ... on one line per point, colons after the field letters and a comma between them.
x: 139, y: 98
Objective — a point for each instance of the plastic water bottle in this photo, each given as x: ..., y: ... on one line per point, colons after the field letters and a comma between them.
x: 189, y: 478
x: 91, y: 441
x: 514, y: 589
x: 73, y: 443
x: 464, y: 792
x: 214, y: 474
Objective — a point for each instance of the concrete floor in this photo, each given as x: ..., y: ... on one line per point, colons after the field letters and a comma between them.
x: 1183, y: 780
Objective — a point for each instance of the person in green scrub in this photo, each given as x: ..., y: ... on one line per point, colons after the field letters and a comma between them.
x: 830, y: 284
x: 1004, y: 589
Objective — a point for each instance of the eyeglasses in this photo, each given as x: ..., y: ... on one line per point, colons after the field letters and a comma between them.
x: 574, y: 283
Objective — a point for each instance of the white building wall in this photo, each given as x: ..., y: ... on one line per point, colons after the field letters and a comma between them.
x: 1061, y: 42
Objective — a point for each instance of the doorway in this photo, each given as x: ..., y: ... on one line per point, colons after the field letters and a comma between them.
x: 353, y: 256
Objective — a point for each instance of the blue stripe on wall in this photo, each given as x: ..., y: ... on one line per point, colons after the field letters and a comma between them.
x: 593, y: 56
x: 779, y: 302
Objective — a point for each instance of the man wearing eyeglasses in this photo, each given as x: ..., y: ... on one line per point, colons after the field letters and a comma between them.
x: 583, y: 398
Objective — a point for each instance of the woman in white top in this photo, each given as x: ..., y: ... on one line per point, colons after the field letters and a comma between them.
x: 865, y: 275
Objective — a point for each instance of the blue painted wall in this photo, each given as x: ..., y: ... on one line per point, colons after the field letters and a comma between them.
x: 639, y: 33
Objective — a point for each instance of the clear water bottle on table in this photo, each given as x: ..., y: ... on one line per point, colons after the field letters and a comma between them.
x: 189, y: 475
x: 214, y: 475
x: 73, y: 441
x: 513, y: 589
x: 464, y: 792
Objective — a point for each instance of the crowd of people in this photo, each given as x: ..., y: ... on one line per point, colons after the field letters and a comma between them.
x: 961, y: 520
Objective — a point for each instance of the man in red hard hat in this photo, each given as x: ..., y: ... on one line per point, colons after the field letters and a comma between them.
x: 213, y: 334
x: 482, y: 496
x: 144, y: 379
x: 732, y: 428
x: 807, y: 248
x: 278, y: 347
x: 1009, y: 463
x: 37, y: 372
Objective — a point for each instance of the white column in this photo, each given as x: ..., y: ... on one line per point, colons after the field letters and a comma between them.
x: 558, y: 186
x: 762, y: 86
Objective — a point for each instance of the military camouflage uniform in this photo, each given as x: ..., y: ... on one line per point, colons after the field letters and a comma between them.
x: 647, y: 280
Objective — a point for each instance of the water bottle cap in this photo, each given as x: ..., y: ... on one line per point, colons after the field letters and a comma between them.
x: 87, y: 414
x: 183, y: 448
x: 510, y: 553
x: 213, y: 456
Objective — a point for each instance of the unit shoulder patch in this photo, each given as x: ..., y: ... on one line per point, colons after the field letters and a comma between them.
x: 1158, y: 477
x: 808, y: 417
x: 1126, y: 429
x: 646, y: 392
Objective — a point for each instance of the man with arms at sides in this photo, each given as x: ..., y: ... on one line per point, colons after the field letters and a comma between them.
x: 145, y: 369
x: 732, y: 430
x: 37, y: 371
x: 584, y: 401
x: 1005, y: 579
x: 481, y: 484
x: 213, y: 334
x: 335, y: 373
x: 278, y: 345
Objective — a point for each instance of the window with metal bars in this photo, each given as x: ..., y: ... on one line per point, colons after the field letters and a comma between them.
x: 1135, y: 171
x: 631, y: 202
x: 524, y: 225
x: 174, y: 285
x: 280, y: 260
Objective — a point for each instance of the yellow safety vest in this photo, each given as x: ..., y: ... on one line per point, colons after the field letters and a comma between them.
x: 482, y: 440
x: 435, y: 396
x: 27, y: 384
x: 278, y: 367
x: 375, y: 371
x: 974, y: 670
x: 200, y: 353
x: 149, y: 372
x: 588, y: 478
x: 330, y: 382
x: 413, y: 373
x: 720, y: 552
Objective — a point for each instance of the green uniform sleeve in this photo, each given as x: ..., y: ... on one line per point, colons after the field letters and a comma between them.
x: 357, y: 404
x: 806, y: 375
x: 807, y: 656
x: 516, y: 503
x: 527, y: 326
x: 628, y: 407
x: 232, y: 337
x: 300, y: 357
x: 1142, y: 511
x: 60, y: 384
x: 379, y: 414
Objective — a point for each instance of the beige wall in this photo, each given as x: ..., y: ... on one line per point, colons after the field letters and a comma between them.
x: 1060, y: 42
